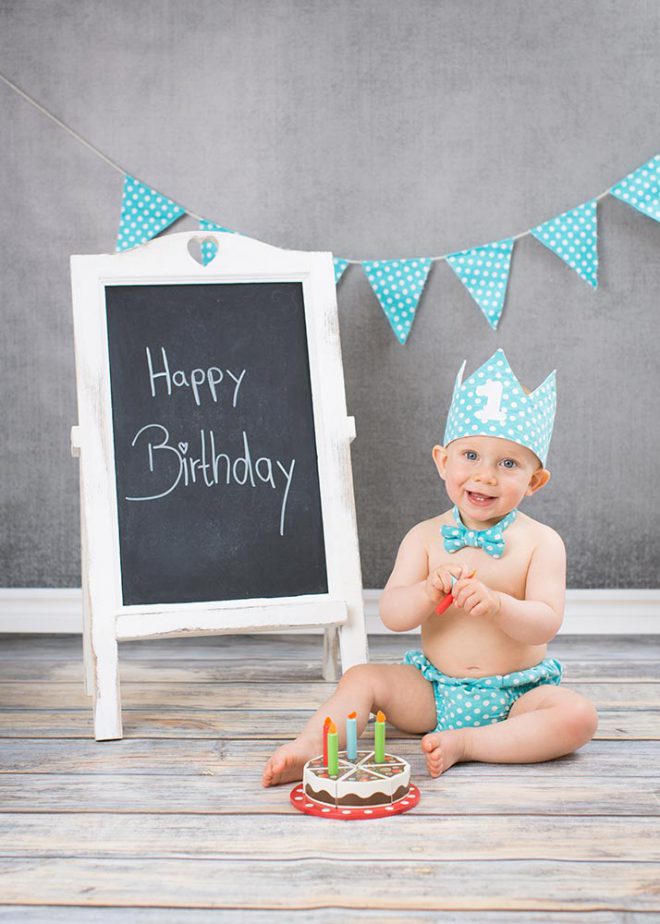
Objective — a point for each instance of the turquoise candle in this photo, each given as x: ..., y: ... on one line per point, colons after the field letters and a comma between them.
x: 333, y: 750
x: 379, y: 738
x: 351, y: 736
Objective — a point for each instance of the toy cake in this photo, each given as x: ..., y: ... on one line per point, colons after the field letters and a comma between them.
x: 354, y: 784
x: 358, y: 782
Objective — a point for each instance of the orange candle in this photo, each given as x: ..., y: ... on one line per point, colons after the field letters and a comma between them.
x: 326, y: 728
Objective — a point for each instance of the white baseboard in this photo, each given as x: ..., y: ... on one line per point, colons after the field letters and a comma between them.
x: 588, y: 612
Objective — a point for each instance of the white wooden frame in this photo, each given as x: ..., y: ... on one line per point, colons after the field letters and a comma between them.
x: 107, y: 621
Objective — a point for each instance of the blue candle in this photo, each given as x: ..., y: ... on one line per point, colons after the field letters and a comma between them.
x: 351, y: 736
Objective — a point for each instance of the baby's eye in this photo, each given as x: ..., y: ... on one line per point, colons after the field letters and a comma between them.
x: 471, y: 455
x: 509, y: 463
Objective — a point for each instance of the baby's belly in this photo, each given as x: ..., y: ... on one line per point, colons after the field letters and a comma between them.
x: 464, y: 646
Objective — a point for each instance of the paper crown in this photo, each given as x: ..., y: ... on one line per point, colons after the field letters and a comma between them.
x: 492, y: 402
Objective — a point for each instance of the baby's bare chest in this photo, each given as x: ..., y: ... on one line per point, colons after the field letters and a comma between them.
x: 508, y: 573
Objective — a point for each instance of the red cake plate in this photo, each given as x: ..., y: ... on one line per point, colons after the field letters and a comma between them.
x: 353, y: 812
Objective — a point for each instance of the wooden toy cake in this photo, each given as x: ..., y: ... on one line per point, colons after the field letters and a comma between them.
x: 360, y: 782
x: 354, y: 784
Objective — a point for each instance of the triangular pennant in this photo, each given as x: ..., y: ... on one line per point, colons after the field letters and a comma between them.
x: 398, y: 285
x: 144, y: 214
x: 484, y: 271
x: 573, y: 237
x: 340, y: 266
x: 209, y: 248
x: 641, y: 188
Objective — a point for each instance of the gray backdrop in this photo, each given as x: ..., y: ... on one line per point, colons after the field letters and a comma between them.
x: 376, y: 130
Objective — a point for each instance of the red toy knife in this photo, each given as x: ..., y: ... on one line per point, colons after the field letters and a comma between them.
x: 447, y: 601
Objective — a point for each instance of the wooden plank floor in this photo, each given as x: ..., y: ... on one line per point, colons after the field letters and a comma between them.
x: 171, y: 823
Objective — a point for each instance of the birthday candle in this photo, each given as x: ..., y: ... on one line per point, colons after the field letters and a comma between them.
x: 379, y: 738
x: 351, y: 736
x: 333, y: 750
x: 326, y: 726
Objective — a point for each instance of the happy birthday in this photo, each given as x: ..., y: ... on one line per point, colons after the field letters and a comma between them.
x: 171, y: 461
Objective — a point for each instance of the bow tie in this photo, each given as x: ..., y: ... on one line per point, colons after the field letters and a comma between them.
x: 490, y: 540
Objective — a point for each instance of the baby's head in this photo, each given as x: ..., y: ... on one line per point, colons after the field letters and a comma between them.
x: 496, y: 440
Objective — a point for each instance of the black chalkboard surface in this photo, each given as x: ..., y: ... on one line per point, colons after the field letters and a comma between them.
x: 215, y: 454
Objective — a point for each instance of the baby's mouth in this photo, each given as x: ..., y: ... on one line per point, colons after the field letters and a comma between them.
x: 481, y: 499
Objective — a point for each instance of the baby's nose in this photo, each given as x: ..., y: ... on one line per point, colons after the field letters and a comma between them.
x: 486, y: 475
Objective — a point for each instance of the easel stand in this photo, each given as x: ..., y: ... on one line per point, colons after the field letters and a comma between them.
x: 107, y: 618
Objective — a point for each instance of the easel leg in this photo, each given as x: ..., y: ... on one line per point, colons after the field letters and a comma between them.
x: 331, y: 654
x: 353, y: 638
x: 107, y: 700
x: 88, y: 655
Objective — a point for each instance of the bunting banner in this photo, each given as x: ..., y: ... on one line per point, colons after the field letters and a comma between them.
x: 398, y: 285
x: 573, y: 237
x: 210, y: 248
x: 484, y: 271
x: 641, y: 188
x: 144, y: 214
x: 340, y: 266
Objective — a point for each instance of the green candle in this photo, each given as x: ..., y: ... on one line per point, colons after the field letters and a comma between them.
x: 379, y: 738
x: 333, y: 750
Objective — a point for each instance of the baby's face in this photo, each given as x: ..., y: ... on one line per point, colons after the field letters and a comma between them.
x: 486, y: 477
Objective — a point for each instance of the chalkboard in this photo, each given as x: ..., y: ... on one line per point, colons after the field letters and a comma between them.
x: 214, y: 445
x: 215, y: 455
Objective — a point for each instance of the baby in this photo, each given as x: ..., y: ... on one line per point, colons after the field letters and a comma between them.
x: 482, y: 687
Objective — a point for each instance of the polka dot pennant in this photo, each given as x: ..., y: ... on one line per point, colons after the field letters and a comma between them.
x: 144, y: 214
x: 340, y: 266
x: 484, y: 271
x: 573, y: 237
x: 641, y: 188
x: 210, y: 248
x: 492, y: 402
x: 398, y: 285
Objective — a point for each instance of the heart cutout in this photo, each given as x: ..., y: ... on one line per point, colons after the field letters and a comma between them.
x: 183, y: 448
x: 203, y: 250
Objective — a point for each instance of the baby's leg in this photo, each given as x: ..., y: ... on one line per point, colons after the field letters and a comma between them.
x: 401, y: 692
x: 543, y: 724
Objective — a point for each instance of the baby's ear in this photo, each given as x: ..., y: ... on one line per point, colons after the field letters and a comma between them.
x: 439, y: 454
x: 539, y: 478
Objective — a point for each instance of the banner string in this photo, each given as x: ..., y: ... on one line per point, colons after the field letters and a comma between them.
x: 115, y: 166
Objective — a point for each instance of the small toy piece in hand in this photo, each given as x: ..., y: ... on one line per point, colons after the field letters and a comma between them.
x: 447, y: 601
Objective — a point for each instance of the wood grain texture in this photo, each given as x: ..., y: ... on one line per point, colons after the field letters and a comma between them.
x: 171, y: 823
x: 515, y: 885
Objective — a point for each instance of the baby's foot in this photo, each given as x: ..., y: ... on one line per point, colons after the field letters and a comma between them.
x: 443, y: 750
x: 287, y: 762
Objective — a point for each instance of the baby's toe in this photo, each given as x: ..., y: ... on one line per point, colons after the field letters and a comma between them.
x: 430, y: 742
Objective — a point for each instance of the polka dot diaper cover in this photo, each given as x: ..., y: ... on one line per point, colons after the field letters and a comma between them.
x: 467, y: 702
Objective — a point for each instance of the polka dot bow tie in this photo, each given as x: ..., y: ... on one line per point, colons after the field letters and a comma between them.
x: 490, y: 540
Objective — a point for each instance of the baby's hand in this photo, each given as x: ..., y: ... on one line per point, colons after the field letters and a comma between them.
x: 475, y: 598
x: 438, y: 583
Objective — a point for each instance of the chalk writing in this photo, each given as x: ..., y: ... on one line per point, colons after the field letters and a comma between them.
x: 209, y: 378
x: 207, y: 467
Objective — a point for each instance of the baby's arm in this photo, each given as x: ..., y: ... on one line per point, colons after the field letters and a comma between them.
x: 536, y: 619
x: 411, y: 593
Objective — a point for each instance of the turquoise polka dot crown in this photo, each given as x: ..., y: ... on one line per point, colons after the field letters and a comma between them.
x: 492, y: 402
